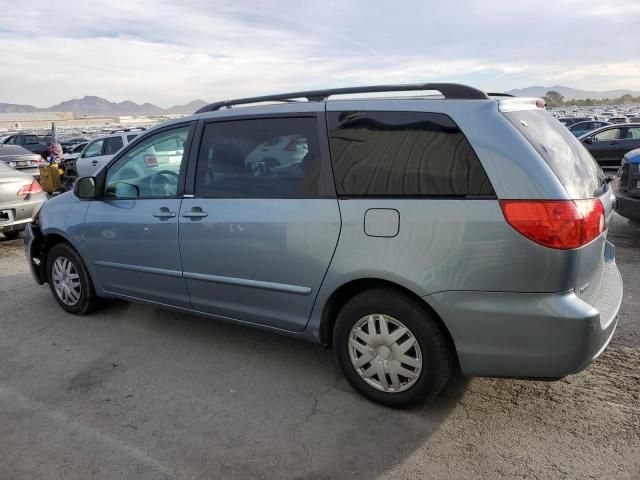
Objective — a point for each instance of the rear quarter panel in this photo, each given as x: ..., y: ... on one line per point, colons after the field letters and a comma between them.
x: 444, y: 245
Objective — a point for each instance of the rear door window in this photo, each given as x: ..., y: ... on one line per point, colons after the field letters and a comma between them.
x: 634, y: 133
x: 112, y: 145
x: 566, y: 156
x: 260, y: 158
x: 403, y: 154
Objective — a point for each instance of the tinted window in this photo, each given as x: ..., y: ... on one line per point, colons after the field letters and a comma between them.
x: 273, y: 157
x: 149, y: 169
x: 30, y: 139
x: 403, y: 153
x: 566, y: 156
x: 131, y: 137
x: 112, y: 145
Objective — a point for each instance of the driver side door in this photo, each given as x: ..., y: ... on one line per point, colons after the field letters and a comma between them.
x: 605, y: 145
x: 131, y: 233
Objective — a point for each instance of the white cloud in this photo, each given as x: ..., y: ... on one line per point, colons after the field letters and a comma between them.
x: 167, y: 52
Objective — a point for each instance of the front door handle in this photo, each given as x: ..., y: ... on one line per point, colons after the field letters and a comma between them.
x: 164, y: 214
x: 94, y: 162
x: 195, y: 213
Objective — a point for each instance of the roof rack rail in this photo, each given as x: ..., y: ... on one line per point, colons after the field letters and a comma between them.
x: 448, y: 90
x: 142, y: 129
x: 496, y: 94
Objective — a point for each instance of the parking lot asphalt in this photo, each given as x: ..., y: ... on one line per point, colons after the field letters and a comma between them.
x: 138, y: 392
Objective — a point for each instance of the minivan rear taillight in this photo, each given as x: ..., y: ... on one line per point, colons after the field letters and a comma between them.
x: 561, y: 224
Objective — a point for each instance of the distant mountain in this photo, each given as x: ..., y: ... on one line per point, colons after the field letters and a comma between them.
x: 13, y: 108
x: 92, y: 105
x: 570, y: 93
x: 187, y: 109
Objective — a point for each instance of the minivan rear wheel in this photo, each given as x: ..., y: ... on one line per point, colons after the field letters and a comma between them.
x: 391, y: 348
x: 69, y: 281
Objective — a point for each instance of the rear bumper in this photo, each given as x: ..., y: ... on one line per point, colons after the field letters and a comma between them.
x: 628, y: 207
x: 530, y: 335
x: 19, y: 214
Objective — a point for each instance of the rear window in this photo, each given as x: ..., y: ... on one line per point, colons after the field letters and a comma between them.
x: 566, y: 156
x: 403, y: 154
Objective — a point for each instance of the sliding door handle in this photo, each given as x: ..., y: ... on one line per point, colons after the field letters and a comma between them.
x: 164, y: 214
x: 195, y: 213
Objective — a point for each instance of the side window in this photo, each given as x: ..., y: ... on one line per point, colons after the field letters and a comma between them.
x: 130, y: 137
x: 151, y: 168
x: 611, y: 134
x: 11, y: 141
x: 261, y: 158
x: 403, y: 153
x: 112, y: 145
x: 94, y: 149
x: 634, y: 133
x: 30, y: 140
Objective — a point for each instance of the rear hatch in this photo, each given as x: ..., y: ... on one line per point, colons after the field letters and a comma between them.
x: 580, y: 175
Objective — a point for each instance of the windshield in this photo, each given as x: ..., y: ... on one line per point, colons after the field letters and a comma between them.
x: 566, y: 156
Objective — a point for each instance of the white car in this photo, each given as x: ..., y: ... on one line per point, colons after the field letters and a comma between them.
x: 99, y: 151
x: 280, y: 151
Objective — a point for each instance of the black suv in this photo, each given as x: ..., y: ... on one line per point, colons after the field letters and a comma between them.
x: 32, y: 142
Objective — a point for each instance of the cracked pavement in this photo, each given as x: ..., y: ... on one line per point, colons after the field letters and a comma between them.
x: 138, y: 392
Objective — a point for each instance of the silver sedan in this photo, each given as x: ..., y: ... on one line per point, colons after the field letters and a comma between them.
x: 20, y: 195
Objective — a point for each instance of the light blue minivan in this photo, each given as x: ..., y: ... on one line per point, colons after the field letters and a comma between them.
x: 413, y: 235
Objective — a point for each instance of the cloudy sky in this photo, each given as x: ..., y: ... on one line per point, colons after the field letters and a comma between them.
x: 172, y: 51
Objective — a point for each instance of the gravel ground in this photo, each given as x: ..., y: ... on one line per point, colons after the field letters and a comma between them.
x: 138, y: 392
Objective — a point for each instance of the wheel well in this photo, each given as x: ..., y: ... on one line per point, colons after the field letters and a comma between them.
x: 48, y: 243
x: 347, y: 291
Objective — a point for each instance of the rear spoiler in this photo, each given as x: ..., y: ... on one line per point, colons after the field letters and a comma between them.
x: 520, y: 103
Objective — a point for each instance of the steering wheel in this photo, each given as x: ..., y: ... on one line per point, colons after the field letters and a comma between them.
x: 162, y: 181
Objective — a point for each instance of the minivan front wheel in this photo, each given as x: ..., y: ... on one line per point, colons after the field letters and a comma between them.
x: 391, y: 348
x: 69, y: 280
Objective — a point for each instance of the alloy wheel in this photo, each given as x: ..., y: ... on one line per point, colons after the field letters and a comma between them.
x: 66, y: 281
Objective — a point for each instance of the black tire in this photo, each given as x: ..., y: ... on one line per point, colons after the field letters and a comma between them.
x: 88, y: 300
x: 437, y: 356
x: 14, y: 235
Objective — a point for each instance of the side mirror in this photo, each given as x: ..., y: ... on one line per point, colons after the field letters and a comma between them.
x: 588, y: 140
x: 85, y: 188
